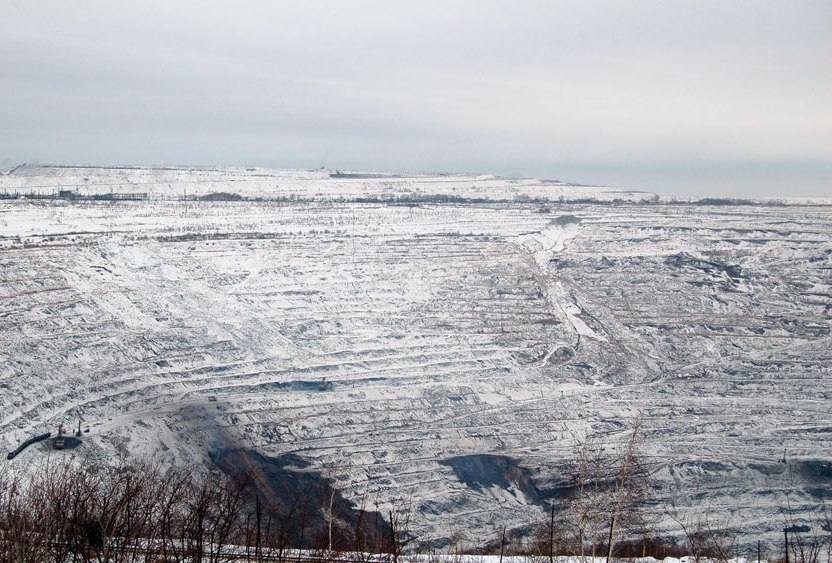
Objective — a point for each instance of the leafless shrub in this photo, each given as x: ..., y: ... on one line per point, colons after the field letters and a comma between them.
x: 806, y: 541
x: 606, y: 493
x: 706, y: 538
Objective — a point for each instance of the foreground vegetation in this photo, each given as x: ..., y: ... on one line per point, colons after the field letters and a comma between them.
x: 69, y: 512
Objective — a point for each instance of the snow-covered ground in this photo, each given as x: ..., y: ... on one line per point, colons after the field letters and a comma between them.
x: 444, y: 316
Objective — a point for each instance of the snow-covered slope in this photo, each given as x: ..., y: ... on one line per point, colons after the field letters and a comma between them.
x: 384, y: 327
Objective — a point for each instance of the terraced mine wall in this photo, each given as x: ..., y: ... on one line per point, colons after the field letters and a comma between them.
x: 515, y: 319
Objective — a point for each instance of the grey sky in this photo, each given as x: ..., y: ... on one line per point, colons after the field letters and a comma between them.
x: 706, y: 98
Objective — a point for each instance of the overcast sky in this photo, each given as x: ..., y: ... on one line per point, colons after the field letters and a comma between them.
x: 695, y: 97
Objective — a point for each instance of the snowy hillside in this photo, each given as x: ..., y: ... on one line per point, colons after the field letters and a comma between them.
x: 385, y: 327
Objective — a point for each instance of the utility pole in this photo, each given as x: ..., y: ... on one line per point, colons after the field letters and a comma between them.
x: 393, y: 547
x: 503, y: 541
x: 257, y: 551
x: 552, y: 535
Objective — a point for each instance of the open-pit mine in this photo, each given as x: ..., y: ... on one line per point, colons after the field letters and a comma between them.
x: 439, y: 341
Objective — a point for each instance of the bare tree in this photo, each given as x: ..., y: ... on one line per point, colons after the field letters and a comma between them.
x: 23, y: 517
x: 607, y: 488
x: 693, y: 532
x: 400, y: 535
x: 630, y: 488
x: 804, y: 542
x: 706, y: 537
x: 67, y: 512
x: 585, y: 508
